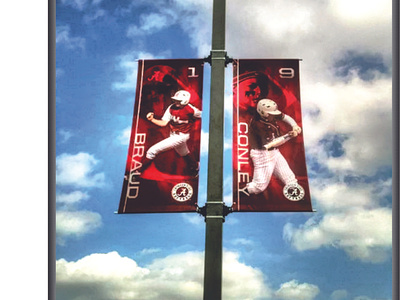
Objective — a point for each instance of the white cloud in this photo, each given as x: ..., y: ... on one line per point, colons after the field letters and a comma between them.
x: 151, y: 23
x: 193, y: 24
x: 59, y: 72
x: 242, y: 242
x: 295, y: 290
x: 350, y: 218
x: 71, y: 198
x: 359, y: 11
x: 97, y: 267
x: 348, y: 109
x: 125, y: 136
x: 65, y: 135
x: 75, y: 224
x: 363, y: 234
x: 178, y: 276
x: 94, y: 15
x: 339, y: 295
x: 339, y: 197
x: 195, y: 219
x: 63, y: 37
x: 227, y: 189
x: 193, y: 17
x: 311, y: 30
x: 148, y: 251
x: 242, y: 282
x: 204, y: 142
x: 78, y: 170
x: 129, y: 66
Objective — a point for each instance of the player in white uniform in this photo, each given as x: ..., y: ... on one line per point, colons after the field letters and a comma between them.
x: 180, y: 116
x: 264, y: 139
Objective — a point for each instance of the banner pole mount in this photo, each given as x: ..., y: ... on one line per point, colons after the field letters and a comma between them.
x: 228, y: 60
x: 226, y: 210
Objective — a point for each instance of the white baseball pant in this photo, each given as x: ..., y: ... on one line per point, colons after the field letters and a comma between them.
x: 267, y: 163
x: 175, y: 141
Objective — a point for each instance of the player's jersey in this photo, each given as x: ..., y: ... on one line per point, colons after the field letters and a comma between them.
x: 181, y: 118
x: 261, y: 131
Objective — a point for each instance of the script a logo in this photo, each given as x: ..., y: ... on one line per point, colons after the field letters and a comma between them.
x: 182, y: 192
x: 293, y: 192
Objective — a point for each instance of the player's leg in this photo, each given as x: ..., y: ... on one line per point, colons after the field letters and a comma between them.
x: 145, y: 164
x: 167, y: 144
x: 180, y: 144
x: 283, y: 171
x: 183, y: 150
x: 263, y: 162
x: 192, y: 163
x: 156, y: 149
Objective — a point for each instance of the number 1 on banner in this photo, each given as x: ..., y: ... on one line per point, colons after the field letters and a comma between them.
x: 192, y: 72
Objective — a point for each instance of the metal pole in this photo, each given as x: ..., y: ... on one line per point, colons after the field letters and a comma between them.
x: 214, y: 209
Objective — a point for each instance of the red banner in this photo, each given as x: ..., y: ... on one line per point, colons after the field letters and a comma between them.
x: 161, y: 173
x: 269, y: 167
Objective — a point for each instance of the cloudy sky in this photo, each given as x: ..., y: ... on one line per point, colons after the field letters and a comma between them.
x: 342, y: 251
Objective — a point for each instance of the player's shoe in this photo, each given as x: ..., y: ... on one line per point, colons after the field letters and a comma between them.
x: 195, y: 170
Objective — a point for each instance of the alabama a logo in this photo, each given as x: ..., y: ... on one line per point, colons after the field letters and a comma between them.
x: 293, y: 192
x: 182, y: 192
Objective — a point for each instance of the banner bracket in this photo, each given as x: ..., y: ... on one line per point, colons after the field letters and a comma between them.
x: 228, y: 60
x: 226, y: 210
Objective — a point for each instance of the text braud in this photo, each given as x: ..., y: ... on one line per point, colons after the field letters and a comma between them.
x: 137, y: 154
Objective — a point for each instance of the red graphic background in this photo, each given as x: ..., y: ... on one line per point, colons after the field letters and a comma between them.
x: 279, y: 81
x: 157, y: 81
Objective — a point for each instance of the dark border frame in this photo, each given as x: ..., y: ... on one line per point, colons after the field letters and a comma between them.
x: 395, y: 155
x: 51, y: 149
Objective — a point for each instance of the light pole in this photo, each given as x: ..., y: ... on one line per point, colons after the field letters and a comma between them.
x: 215, y: 210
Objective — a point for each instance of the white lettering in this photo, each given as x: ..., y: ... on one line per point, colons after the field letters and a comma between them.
x: 243, y: 177
x: 286, y: 73
x: 192, y: 72
x: 243, y: 152
x: 137, y: 153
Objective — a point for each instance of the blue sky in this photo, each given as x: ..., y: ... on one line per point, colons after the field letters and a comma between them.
x: 340, y: 252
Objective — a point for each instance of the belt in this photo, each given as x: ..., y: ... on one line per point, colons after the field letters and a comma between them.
x: 270, y: 149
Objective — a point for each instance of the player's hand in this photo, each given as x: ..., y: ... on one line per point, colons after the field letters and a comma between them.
x: 297, y: 129
x: 150, y: 116
x: 293, y: 133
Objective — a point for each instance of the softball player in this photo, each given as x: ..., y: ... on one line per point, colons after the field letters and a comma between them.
x: 180, y: 116
x: 264, y: 140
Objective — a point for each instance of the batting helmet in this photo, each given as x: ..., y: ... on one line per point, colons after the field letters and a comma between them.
x: 267, y: 107
x: 182, y: 97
